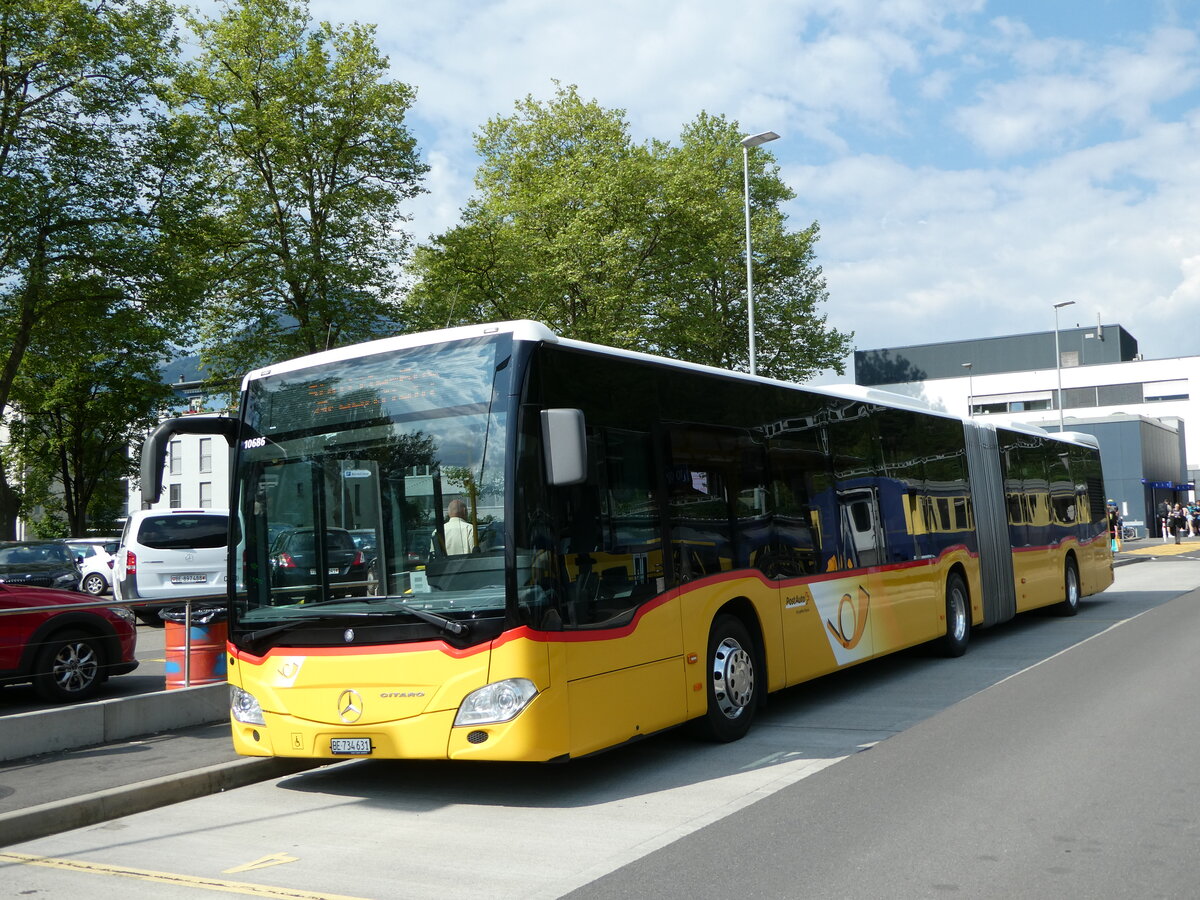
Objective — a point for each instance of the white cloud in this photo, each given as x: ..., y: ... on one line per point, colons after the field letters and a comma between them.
x: 1065, y: 89
x: 953, y: 255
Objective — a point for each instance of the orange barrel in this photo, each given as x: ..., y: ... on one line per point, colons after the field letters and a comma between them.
x: 205, y: 656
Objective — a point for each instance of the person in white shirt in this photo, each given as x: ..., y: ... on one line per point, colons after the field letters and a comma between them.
x: 459, y: 533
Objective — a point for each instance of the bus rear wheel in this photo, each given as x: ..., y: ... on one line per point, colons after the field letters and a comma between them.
x: 1070, y: 602
x: 734, y: 681
x: 958, y: 617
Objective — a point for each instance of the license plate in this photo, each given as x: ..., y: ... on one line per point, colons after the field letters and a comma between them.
x: 189, y: 579
x: 335, y: 571
x: 350, y: 746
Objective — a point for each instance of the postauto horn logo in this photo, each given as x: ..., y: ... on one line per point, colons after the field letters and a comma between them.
x: 852, y: 619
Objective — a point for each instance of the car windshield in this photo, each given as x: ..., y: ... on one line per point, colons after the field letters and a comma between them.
x: 373, y: 478
x: 35, y: 554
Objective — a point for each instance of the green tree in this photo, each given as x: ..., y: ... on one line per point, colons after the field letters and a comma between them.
x: 559, y: 229
x: 700, y: 311
x: 314, y: 163
x: 86, y: 391
x: 81, y: 188
x: 639, y: 246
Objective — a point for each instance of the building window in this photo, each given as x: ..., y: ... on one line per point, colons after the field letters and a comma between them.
x: 1119, y: 394
x: 175, y: 457
x: 205, y: 454
x: 1079, y: 398
x: 1158, y: 391
x: 176, y: 495
x: 206, y: 495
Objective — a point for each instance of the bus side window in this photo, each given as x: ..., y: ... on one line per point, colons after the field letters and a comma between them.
x: 716, y: 495
x: 794, y: 547
x: 613, y: 546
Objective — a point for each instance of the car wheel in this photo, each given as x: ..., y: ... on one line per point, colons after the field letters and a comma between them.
x: 69, y: 667
x: 734, y: 681
x: 958, y: 617
x: 94, y: 584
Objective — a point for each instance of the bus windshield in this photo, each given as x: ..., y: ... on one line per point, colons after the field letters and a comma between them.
x: 370, y: 494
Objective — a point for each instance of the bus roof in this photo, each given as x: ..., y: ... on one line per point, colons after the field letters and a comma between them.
x: 521, y: 329
x: 529, y: 330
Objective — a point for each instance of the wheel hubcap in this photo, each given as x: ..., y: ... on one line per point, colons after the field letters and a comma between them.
x: 75, y: 667
x: 958, y: 615
x: 733, y: 678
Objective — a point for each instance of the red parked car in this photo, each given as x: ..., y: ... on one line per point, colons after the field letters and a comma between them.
x: 67, y: 654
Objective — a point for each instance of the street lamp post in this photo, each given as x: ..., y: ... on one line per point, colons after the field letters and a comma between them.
x: 1058, y: 360
x: 753, y: 140
x: 970, y: 391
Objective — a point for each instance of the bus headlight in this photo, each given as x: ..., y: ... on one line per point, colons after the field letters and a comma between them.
x: 244, y: 707
x: 497, y: 702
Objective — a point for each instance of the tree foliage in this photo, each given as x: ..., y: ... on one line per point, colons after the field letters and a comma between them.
x: 86, y: 391
x: 636, y: 245
x: 312, y: 161
x: 87, y: 177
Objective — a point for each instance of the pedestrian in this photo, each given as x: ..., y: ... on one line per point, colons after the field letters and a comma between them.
x: 1164, y: 516
x: 1178, y: 521
x: 1114, y: 526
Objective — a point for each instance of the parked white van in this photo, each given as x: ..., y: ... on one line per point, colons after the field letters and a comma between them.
x: 168, y: 554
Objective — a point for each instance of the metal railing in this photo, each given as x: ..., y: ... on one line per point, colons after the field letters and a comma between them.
x: 204, y: 600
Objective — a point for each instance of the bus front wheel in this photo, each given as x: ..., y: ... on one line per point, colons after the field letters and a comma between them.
x: 958, y: 616
x: 734, y: 681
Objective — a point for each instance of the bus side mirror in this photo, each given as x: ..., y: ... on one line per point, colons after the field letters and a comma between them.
x: 154, y: 449
x: 565, y: 444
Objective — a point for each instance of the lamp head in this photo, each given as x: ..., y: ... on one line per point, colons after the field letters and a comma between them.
x: 755, y: 140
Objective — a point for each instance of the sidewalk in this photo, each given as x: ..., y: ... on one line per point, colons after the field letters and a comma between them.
x: 1147, y: 547
x: 73, y: 788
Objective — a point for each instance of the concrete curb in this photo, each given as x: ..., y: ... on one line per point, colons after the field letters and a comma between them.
x: 106, y: 721
x: 63, y: 815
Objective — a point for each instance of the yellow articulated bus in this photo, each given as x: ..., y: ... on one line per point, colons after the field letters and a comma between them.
x: 492, y: 543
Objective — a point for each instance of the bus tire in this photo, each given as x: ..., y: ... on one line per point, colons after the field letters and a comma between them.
x: 958, y: 617
x: 1070, y: 602
x: 734, y: 681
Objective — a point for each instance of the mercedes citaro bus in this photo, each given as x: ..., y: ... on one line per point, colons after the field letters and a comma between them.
x: 651, y: 543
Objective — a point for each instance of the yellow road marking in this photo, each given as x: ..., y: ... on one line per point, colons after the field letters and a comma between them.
x: 1164, y: 549
x: 262, y: 863
x: 206, y: 884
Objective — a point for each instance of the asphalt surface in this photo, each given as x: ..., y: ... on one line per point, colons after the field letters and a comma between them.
x: 86, y: 776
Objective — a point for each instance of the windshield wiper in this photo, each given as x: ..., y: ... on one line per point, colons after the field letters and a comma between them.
x: 252, y: 636
x: 453, y: 626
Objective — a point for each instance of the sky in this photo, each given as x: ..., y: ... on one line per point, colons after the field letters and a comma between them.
x: 970, y: 162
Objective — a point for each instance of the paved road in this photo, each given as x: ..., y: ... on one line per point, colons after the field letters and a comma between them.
x: 1055, y: 755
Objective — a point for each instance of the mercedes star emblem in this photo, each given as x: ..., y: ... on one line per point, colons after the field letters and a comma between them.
x: 350, y: 707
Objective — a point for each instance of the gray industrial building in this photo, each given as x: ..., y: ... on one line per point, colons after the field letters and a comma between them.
x: 1092, y: 346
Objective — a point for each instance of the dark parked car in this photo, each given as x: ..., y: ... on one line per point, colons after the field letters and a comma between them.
x: 295, y: 563
x: 38, y: 564
x: 67, y: 654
